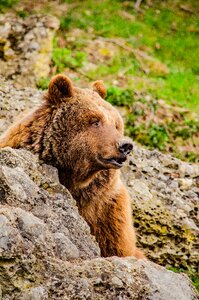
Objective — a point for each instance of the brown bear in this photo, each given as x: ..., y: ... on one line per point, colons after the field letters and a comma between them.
x: 81, y: 134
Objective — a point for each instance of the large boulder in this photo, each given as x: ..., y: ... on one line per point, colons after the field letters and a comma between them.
x: 47, y: 252
x: 15, y: 101
x: 165, y: 202
x: 26, y: 47
x: 39, y: 210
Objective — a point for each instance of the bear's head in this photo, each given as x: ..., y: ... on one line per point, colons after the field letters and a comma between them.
x: 85, y: 133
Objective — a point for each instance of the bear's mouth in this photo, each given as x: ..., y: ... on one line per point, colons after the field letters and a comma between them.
x: 114, y: 161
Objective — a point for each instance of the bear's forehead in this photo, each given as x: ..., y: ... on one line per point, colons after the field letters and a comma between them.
x: 92, y: 100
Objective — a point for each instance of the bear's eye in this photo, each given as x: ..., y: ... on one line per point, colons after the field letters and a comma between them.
x: 95, y: 123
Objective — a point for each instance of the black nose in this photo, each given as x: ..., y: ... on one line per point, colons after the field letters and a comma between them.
x: 125, y: 147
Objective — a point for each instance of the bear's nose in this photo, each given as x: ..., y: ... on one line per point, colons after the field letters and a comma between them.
x: 125, y: 147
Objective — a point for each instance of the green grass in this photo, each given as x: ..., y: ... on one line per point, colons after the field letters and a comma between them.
x: 42, y: 83
x: 119, y: 97
x: 66, y: 58
x: 5, y: 4
x: 102, y: 16
x: 182, y: 87
x: 169, y: 35
x: 145, y: 125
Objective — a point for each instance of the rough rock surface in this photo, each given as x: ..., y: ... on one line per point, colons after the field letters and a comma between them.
x: 14, y: 101
x: 165, y: 202
x: 34, y: 202
x: 25, y: 47
x: 45, y: 245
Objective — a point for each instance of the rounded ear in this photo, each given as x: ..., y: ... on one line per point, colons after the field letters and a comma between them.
x: 99, y: 87
x: 60, y: 88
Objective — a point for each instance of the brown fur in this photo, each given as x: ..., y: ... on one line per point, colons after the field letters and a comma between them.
x: 99, y: 87
x: 75, y: 130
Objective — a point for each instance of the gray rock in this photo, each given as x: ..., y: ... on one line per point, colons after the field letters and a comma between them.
x: 165, y: 206
x: 14, y: 101
x: 118, y: 278
x: 116, y: 282
x: 40, y: 208
x: 26, y: 46
x: 47, y: 252
x: 66, y: 250
x: 37, y: 293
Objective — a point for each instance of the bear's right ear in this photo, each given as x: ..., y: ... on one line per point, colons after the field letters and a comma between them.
x: 60, y: 88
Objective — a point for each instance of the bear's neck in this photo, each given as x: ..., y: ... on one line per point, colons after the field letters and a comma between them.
x: 96, y: 188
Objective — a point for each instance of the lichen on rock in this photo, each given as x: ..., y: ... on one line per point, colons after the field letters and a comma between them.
x: 47, y: 252
x: 26, y: 47
x: 165, y: 204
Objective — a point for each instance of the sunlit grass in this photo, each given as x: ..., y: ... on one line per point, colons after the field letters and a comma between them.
x: 167, y: 34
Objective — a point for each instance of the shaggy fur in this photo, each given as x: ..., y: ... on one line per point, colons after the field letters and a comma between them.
x: 78, y: 132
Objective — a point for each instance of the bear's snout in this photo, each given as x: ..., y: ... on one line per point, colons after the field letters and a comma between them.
x: 125, y: 146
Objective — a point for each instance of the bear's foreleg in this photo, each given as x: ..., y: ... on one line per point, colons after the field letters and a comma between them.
x: 115, y: 233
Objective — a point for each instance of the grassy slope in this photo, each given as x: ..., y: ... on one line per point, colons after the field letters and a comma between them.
x: 168, y: 31
x: 164, y: 31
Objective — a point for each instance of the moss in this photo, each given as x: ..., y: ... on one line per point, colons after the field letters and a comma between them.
x: 160, y: 236
x: 45, y: 185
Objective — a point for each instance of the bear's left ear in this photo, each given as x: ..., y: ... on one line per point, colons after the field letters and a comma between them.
x: 99, y: 87
x: 60, y: 88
